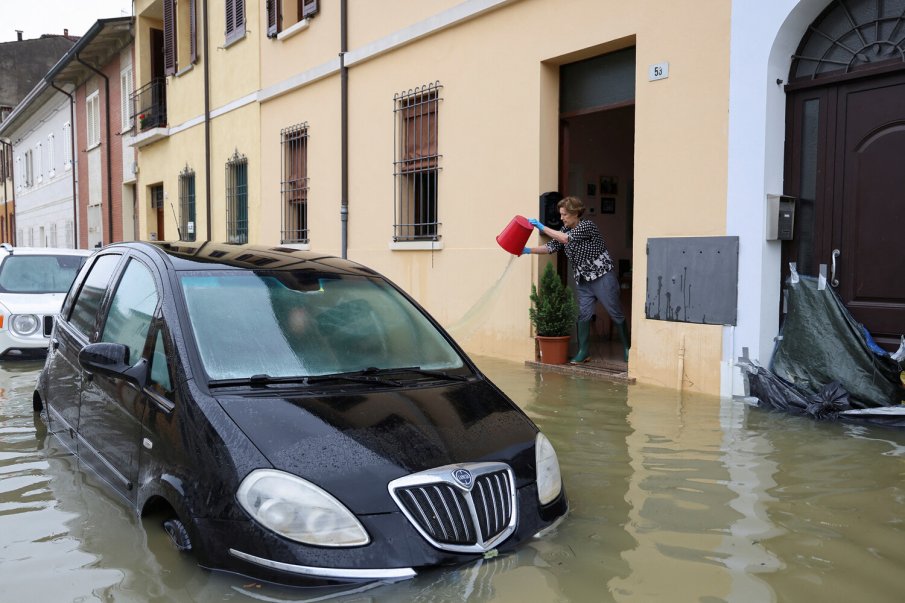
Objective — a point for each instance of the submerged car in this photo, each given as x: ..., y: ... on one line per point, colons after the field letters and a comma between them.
x: 295, y: 417
x: 33, y: 283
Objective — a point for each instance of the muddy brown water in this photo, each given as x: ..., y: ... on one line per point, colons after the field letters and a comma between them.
x: 674, y: 498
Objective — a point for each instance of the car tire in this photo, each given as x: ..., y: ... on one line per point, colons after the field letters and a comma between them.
x: 178, y: 534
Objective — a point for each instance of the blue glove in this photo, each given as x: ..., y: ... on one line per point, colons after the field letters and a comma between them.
x: 536, y: 223
x: 526, y: 251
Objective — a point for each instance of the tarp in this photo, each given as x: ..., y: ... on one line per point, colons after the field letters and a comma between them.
x: 821, y: 344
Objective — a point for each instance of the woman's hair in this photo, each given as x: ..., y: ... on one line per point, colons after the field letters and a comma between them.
x: 572, y: 205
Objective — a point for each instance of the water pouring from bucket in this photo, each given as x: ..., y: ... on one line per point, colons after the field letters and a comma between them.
x: 515, y: 235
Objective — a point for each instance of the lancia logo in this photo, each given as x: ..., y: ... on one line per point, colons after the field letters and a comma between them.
x: 463, y: 476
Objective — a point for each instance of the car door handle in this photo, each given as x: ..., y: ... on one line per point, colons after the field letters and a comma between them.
x: 833, y: 280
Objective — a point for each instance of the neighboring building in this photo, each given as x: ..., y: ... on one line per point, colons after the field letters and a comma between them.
x: 68, y: 165
x: 22, y: 64
x: 412, y: 143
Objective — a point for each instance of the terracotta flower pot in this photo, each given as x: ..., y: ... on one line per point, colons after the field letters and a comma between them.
x: 553, y: 350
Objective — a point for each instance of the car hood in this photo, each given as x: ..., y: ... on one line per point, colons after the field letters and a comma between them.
x: 353, y: 444
x: 32, y: 303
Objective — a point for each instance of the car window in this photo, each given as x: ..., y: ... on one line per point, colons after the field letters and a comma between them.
x: 160, y: 371
x: 131, y: 310
x: 298, y: 323
x: 39, y: 273
x: 84, y: 311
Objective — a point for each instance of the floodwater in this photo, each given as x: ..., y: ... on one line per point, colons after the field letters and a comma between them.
x: 674, y: 498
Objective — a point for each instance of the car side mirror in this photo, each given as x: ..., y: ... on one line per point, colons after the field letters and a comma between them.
x: 112, y: 359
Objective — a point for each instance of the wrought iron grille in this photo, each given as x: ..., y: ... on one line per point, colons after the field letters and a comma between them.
x: 417, y: 164
x: 468, y: 517
x: 237, y: 198
x: 294, y: 183
x: 187, y: 204
x: 851, y: 35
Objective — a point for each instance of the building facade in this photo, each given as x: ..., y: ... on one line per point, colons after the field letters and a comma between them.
x: 407, y: 135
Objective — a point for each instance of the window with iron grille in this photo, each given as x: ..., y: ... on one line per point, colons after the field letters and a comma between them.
x: 416, y: 164
x: 294, y: 183
x: 235, y: 20
x: 187, y: 204
x: 237, y: 198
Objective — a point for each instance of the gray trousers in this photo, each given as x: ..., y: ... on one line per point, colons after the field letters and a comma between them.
x: 605, y: 290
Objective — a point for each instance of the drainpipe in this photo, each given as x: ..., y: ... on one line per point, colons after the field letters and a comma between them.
x: 75, y: 205
x: 344, y: 125
x: 109, y: 151
x: 7, y: 159
x: 207, y: 123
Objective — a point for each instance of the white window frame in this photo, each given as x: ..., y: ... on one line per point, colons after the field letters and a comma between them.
x: 29, y: 168
x: 67, y: 146
x: 93, y: 119
x: 51, y: 155
x: 21, y: 180
x: 39, y: 163
x: 125, y: 95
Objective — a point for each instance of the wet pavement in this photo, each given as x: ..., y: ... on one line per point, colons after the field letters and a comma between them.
x: 674, y: 498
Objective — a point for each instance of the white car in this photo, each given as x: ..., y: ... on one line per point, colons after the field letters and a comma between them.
x: 33, y: 283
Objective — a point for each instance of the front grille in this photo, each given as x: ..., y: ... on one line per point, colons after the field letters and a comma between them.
x: 470, y: 514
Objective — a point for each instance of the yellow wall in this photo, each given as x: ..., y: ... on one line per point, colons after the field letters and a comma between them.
x: 499, y: 140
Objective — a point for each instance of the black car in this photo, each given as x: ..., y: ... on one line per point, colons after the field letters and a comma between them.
x: 295, y: 417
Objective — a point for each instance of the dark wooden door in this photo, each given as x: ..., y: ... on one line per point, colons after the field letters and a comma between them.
x: 848, y: 153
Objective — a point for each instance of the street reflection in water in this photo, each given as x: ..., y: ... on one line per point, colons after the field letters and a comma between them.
x: 674, y: 498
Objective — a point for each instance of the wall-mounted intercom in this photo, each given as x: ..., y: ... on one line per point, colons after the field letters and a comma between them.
x: 780, y: 217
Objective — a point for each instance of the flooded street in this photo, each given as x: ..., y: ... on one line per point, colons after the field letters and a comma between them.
x: 673, y: 499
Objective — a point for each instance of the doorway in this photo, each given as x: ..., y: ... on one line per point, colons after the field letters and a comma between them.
x: 845, y: 144
x: 597, y: 150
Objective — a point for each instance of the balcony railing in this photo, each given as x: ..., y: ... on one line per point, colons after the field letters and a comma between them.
x: 150, y: 105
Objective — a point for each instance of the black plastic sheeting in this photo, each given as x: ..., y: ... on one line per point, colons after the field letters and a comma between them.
x: 823, y: 364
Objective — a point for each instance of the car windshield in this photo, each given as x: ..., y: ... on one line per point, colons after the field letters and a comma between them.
x: 39, y: 273
x: 298, y: 324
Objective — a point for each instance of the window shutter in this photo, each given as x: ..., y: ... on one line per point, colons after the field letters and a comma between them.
x: 230, y: 17
x: 235, y: 19
x: 309, y: 8
x: 169, y: 37
x: 240, y: 17
x: 193, y: 31
x: 273, y: 18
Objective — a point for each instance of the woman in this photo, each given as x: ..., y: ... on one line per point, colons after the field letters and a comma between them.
x: 592, y: 268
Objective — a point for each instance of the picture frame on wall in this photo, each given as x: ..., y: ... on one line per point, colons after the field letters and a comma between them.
x: 608, y: 205
x: 609, y: 185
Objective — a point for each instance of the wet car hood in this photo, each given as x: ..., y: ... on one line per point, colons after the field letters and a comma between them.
x: 352, y: 444
x: 33, y: 303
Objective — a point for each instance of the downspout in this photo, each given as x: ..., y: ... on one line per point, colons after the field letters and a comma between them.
x: 75, y: 204
x: 207, y: 124
x: 344, y: 125
x: 7, y: 157
x: 109, y: 150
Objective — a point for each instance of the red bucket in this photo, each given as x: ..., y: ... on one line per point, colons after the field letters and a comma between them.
x: 515, y: 235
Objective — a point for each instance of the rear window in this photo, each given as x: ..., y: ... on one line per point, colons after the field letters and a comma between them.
x: 39, y: 273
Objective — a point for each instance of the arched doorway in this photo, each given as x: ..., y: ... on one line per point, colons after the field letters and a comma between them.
x: 845, y: 144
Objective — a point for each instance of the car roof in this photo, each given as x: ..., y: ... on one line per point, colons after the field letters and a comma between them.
x: 206, y: 255
x: 43, y: 251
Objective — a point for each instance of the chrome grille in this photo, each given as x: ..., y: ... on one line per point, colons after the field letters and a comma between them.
x: 469, y: 516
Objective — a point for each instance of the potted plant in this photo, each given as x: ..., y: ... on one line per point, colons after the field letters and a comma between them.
x: 553, y: 312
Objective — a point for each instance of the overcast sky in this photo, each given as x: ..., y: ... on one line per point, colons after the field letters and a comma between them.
x: 36, y: 17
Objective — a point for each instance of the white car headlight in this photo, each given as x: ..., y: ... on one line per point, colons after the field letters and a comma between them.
x: 299, y: 510
x: 549, y: 481
x: 24, y: 324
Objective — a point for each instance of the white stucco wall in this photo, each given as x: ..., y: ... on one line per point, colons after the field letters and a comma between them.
x: 764, y: 35
x: 46, y: 205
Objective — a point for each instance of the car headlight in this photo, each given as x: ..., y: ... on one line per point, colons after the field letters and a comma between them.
x: 24, y: 324
x: 299, y: 510
x: 549, y: 481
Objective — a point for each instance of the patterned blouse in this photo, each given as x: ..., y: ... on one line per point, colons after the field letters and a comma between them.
x: 586, y: 251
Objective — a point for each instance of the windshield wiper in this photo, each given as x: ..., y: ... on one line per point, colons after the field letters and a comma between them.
x: 263, y: 380
x: 414, y: 369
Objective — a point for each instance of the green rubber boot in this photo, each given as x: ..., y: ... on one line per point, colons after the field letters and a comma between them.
x: 584, y: 335
x: 623, y: 335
